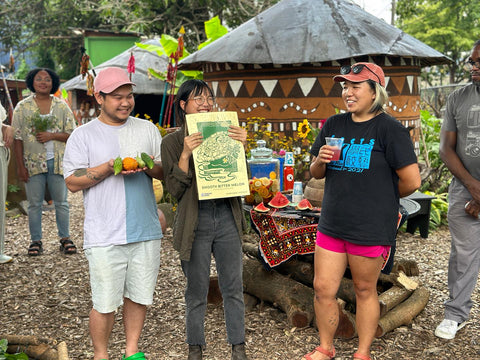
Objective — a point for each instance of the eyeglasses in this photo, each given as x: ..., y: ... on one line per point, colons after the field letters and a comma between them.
x: 200, y: 100
x: 344, y: 70
x: 469, y: 64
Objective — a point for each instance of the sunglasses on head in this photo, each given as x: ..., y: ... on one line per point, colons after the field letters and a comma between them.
x: 356, y: 69
x: 470, y: 64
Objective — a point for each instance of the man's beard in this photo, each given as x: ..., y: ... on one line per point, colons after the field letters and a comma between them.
x: 475, y: 82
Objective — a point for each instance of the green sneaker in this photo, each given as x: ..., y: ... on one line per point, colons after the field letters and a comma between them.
x: 137, y: 356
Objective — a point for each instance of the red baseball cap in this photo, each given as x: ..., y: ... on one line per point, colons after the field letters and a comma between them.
x: 361, y: 71
x: 110, y: 79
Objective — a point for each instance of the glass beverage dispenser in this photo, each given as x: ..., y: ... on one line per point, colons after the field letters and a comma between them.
x: 261, y: 162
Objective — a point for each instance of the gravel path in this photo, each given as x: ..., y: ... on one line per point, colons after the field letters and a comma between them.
x: 49, y: 296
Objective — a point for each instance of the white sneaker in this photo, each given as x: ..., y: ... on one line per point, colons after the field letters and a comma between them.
x: 448, y: 329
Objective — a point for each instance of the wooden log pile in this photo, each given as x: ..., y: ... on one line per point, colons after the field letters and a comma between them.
x: 289, y: 287
x: 36, y: 347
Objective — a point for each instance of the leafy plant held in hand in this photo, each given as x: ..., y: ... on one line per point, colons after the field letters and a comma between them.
x: 41, y: 123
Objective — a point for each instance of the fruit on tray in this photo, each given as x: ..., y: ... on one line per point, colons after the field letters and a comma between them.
x: 148, y: 160
x: 261, y: 190
x: 130, y: 163
x: 141, y: 163
x: 279, y: 201
x: 304, y: 205
x: 117, y: 166
x: 261, y: 208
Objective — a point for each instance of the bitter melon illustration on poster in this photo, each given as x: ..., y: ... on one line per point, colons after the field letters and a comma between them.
x: 220, y: 165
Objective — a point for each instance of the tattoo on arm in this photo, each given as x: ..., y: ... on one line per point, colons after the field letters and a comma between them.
x: 80, y: 172
x: 90, y: 174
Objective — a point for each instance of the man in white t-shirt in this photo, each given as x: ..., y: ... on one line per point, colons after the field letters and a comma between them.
x: 122, y: 232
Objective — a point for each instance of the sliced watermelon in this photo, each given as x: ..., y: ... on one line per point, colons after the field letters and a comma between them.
x: 304, y: 205
x: 279, y: 201
x: 261, y: 208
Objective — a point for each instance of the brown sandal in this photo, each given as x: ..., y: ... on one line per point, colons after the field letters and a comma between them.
x: 67, y: 247
x: 330, y: 354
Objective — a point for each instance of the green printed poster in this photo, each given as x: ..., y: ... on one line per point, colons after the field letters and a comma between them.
x: 220, y: 164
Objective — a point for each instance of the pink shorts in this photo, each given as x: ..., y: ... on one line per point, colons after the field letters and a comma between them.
x: 343, y: 246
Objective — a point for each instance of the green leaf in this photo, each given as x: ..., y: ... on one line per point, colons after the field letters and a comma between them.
x: 192, y: 74
x: 18, y: 356
x: 169, y: 44
x: 3, y: 345
x: 435, y: 216
x: 152, y: 48
x: 158, y: 75
x: 64, y: 94
x: 213, y: 30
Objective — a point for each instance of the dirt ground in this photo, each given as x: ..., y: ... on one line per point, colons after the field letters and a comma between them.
x: 49, y: 296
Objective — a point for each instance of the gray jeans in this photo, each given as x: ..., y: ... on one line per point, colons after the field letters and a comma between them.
x: 464, y: 263
x: 216, y: 233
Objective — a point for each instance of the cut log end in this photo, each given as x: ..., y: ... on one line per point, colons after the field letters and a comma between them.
x: 299, y: 319
x: 403, y: 313
x: 346, y: 322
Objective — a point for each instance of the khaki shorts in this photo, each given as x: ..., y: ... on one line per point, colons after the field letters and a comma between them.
x: 123, y: 271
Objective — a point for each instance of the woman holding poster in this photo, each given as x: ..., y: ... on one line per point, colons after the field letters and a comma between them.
x: 203, y: 227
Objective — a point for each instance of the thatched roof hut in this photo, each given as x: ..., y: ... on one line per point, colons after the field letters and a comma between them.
x: 279, y: 65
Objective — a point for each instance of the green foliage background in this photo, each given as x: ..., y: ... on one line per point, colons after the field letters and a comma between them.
x: 436, y: 176
x: 449, y: 26
x: 45, y: 27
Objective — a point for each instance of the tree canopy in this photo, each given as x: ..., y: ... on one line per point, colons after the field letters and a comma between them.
x: 44, y: 27
x: 449, y: 26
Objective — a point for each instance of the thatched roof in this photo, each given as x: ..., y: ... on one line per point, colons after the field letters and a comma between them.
x: 312, y: 31
x: 144, y: 60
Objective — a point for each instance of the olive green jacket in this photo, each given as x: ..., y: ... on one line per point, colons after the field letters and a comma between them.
x: 183, y: 187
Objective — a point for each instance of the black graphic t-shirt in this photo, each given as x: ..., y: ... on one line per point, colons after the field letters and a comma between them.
x: 361, y: 200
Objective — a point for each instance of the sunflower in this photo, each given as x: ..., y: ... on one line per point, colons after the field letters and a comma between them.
x: 304, y: 129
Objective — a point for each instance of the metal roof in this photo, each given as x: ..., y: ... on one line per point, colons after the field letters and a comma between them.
x: 312, y: 31
x: 145, y: 84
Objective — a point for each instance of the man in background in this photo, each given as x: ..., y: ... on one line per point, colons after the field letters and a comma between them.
x: 459, y: 146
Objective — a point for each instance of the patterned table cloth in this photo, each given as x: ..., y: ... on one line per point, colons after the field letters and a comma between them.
x: 284, y: 233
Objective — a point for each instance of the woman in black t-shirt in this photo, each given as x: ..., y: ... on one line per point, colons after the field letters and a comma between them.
x: 357, y: 228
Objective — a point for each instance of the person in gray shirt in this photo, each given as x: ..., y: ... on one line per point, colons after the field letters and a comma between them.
x: 460, y: 150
